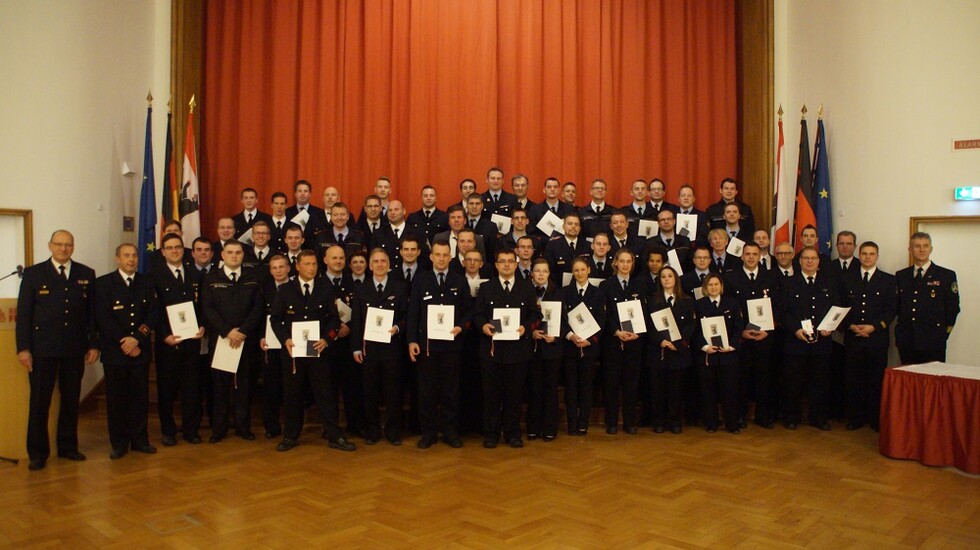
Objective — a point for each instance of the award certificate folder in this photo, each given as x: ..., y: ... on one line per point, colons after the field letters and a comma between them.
x: 377, y: 325
x: 581, y: 321
x: 833, y: 318
x: 632, y: 311
x: 440, y: 321
x: 675, y: 262
x: 687, y: 225
x: 760, y: 314
x: 183, y: 320
x: 735, y: 247
x: 550, y: 223
x: 715, y: 332
x: 663, y: 321
x: 551, y: 318
x: 271, y: 340
x: 509, y: 319
x: 648, y: 228
x: 226, y: 358
x: 502, y: 223
x: 302, y: 218
x: 304, y: 335
x: 344, y: 310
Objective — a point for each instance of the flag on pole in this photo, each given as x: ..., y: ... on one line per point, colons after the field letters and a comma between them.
x: 146, y: 244
x: 168, y: 210
x: 821, y: 180
x: 783, y: 196
x: 803, y: 214
x: 190, y: 198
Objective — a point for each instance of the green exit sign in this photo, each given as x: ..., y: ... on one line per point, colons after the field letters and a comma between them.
x: 967, y: 193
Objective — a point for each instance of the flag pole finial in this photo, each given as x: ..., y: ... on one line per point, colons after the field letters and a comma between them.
x: 820, y: 112
x: 149, y: 97
x: 170, y: 105
x: 192, y: 104
x: 803, y: 111
x: 780, y: 112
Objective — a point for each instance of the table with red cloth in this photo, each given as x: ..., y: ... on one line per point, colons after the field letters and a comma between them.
x: 931, y: 413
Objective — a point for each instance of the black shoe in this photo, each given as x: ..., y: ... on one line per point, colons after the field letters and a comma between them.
x: 675, y: 429
x: 193, y: 440
x: 146, y: 449
x: 549, y: 438
x: 72, y: 455
x: 247, y: 436
x: 371, y: 441
x: 711, y: 429
x: 286, y: 445
x: 426, y: 441
x: 791, y: 425
x: 342, y: 444
x: 631, y: 430
x: 658, y: 429
x: 612, y: 430
x: 36, y: 464
x: 854, y: 426
x: 764, y: 423
x: 395, y: 441
x: 515, y: 443
x: 272, y: 434
x: 532, y: 437
x: 735, y: 431
x: 741, y: 424
x: 454, y: 442
x: 489, y: 443
x: 116, y: 454
x: 215, y: 439
x: 169, y: 441
x: 583, y: 431
x: 822, y: 426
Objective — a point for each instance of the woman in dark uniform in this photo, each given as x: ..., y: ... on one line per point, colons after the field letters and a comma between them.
x: 718, y: 364
x: 668, y: 359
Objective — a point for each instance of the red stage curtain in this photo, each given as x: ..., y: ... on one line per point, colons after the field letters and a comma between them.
x: 434, y: 91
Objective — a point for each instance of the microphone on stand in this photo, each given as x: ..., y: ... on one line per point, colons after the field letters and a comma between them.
x: 18, y: 272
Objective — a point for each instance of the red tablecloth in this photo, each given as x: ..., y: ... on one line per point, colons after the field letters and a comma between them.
x: 931, y: 414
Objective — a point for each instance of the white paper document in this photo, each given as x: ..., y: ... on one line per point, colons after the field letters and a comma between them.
x: 377, y: 325
x: 807, y: 326
x: 303, y: 334
x: 632, y: 311
x: 760, y: 313
x: 698, y: 293
x: 566, y: 278
x: 502, y: 223
x: 663, y: 320
x: 687, y: 225
x: 675, y: 262
x: 271, y: 340
x: 510, y: 321
x: 475, y: 285
x: 551, y: 314
x: 550, y: 223
x: 440, y: 321
x: 183, y: 320
x: 246, y: 237
x: 713, y: 329
x: 302, y: 218
x: 581, y: 321
x: 344, y: 310
x: 833, y: 318
x: 226, y: 358
x: 735, y: 247
x: 648, y: 228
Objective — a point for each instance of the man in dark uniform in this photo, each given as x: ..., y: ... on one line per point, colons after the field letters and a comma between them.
x: 519, y: 184
x: 390, y: 237
x: 518, y: 229
x: 340, y: 232
x: 733, y: 224
x: 278, y: 222
x: 347, y: 376
x: 251, y: 214
x: 600, y: 261
x: 125, y: 307
x: 478, y: 220
x: 928, y: 303
x: 233, y: 308
x: 658, y: 190
x: 668, y: 239
x: 56, y: 338
x: 561, y: 250
x: 429, y: 220
x: 371, y: 218
x: 552, y: 203
x: 438, y: 359
x: 640, y: 208
x: 685, y: 205
x: 272, y: 374
x: 595, y: 215
x: 716, y: 212
x: 721, y: 260
x: 495, y: 199
x: 257, y: 255
x: 176, y: 359
x: 302, y: 191
x: 872, y: 296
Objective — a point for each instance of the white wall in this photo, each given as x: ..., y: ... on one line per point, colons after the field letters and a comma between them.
x: 75, y: 75
x: 898, y: 80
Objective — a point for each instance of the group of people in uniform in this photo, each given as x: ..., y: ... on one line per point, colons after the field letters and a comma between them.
x: 472, y: 315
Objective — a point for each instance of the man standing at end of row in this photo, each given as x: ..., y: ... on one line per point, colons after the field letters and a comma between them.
x: 928, y: 303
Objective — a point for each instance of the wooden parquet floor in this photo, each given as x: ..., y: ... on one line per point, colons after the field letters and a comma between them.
x: 760, y: 489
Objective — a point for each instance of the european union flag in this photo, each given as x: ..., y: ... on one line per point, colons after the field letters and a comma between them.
x: 821, y: 183
x: 148, y: 201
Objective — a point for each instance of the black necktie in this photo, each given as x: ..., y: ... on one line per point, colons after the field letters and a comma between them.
x: 625, y: 282
x: 702, y: 277
x: 507, y: 287
x: 622, y: 242
x: 732, y: 233
x: 340, y: 239
x: 845, y: 265
x: 598, y: 210
x: 472, y: 224
x: 670, y: 301
x: 259, y: 255
x: 292, y: 261
x: 527, y: 273
x: 554, y: 210
x: 639, y: 211
x: 408, y: 274
x: 599, y: 265
x: 374, y: 227
x: 786, y: 272
x: 381, y: 288
x: 442, y: 278
x: 180, y: 278
x: 336, y: 282
x: 234, y: 277
x: 751, y: 276
x: 129, y: 281
x: 715, y: 302
x: 61, y: 269
x: 918, y: 274
x: 581, y: 292
x: 669, y: 241
x: 279, y: 224
x: 250, y: 218
x: 866, y: 276
x: 809, y: 281
x: 427, y: 214
x: 572, y: 244
x: 204, y: 271
x: 720, y: 262
x: 301, y: 208
x: 539, y: 290
x: 306, y: 289
x: 763, y: 262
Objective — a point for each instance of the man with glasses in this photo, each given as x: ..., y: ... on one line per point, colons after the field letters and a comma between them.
x: 595, y: 215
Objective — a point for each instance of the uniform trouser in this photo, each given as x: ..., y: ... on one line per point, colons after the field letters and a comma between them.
x: 911, y: 356
x: 127, y: 402
x: 718, y: 381
x: 692, y: 395
x: 542, y: 397
x: 382, y: 377
x: 836, y: 391
x: 350, y: 380
x: 756, y: 380
x: 667, y: 389
x: 864, y: 371
x: 206, y: 380
x: 579, y: 372
x: 67, y: 372
x: 272, y: 392
x: 503, y: 393
x: 621, y: 372
x: 438, y: 388
x: 812, y: 372
x: 177, y: 374
x: 227, y: 387
x: 470, y: 390
x: 296, y: 374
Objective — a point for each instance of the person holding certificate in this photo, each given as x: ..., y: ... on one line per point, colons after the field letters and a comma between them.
x: 346, y: 373
x: 437, y: 314
x: 506, y: 315
x: 622, y: 349
x: 177, y: 349
x: 669, y: 351
x: 377, y: 321
x: 581, y: 354
x: 718, y: 356
x: 272, y: 376
x: 125, y: 314
x: 807, y: 297
x: 545, y: 366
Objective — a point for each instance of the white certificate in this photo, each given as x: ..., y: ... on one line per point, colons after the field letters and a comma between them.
x: 550, y: 223
x: 344, y: 310
x: 302, y: 218
x: 735, y: 247
x: 440, y: 321
x: 510, y: 321
x: 226, y: 358
x: 183, y: 320
x: 632, y: 311
x: 698, y: 293
x: 760, y: 313
x: 833, y: 318
x: 648, y: 228
x: 475, y: 285
x: 807, y: 326
x: 713, y: 329
x: 377, y: 325
x: 271, y: 340
x: 551, y: 314
x: 566, y: 278
x: 246, y: 237
x: 581, y: 321
x: 502, y: 223
x: 663, y: 320
x: 303, y: 334
x: 687, y: 225
x: 675, y: 262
